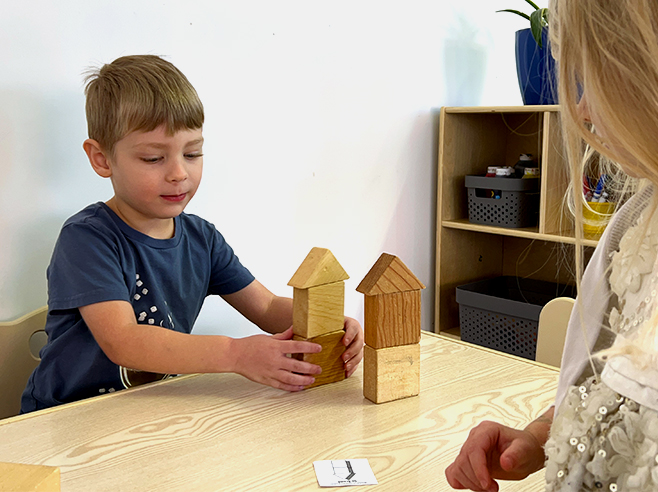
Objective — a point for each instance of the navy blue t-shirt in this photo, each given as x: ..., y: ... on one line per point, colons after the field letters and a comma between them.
x: 97, y: 258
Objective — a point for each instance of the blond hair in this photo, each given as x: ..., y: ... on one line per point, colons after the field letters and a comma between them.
x: 609, y: 50
x: 139, y: 93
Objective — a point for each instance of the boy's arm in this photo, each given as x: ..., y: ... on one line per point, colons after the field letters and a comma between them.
x: 273, y: 314
x: 261, y: 358
x: 269, y: 312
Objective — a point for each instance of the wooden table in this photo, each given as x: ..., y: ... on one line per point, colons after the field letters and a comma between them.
x: 222, y: 432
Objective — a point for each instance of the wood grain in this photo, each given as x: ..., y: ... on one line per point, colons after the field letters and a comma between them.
x: 16, y: 477
x: 392, y: 319
x: 333, y: 367
x: 222, y: 432
x: 389, y: 275
x: 318, y: 310
x: 391, y: 373
x: 318, y: 268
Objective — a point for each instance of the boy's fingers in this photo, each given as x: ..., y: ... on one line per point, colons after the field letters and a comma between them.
x: 301, y: 347
x: 301, y: 367
x: 292, y: 379
x: 284, y: 335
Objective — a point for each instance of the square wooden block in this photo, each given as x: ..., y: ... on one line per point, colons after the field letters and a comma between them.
x: 318, y: 310
x: 391, y: 373
x: 33, y: 478
x: 392, y: 319
x: 330, y: 359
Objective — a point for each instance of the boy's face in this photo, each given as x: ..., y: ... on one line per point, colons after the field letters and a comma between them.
x: 155, y: 175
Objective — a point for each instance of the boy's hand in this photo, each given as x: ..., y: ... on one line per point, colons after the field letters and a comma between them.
x: 353, y: 340
x: 264, y: 359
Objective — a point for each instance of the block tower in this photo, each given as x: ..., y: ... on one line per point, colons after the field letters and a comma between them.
x: 318, y: 306
x: 391, y: 364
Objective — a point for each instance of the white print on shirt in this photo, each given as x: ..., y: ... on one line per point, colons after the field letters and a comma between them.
x: 146, y: 313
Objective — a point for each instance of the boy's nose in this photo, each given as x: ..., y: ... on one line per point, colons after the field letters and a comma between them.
x: 177, y: 171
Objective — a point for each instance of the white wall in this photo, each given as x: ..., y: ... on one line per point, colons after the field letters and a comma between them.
x: 321, y: 125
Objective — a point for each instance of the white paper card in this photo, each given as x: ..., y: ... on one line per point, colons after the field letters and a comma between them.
x: 343, y: 473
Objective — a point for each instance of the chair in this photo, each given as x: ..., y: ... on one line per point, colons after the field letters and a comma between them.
x: 552, y: 330
x: 20, y: 342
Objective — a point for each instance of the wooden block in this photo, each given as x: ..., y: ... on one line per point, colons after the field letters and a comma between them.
x: 33, y: 478
x: 330, y: 359
x: 389, y: 275
x: 392, y: 319
x: 318, y: 268
x: 391, y: 373
x: 318, y: 310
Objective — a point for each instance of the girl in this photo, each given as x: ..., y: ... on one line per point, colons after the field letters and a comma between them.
x: 605, y: 432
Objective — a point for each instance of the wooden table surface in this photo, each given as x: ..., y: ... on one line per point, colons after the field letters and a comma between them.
x: 222, y: 432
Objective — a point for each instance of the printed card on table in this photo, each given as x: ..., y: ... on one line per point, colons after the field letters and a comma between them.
x: 344, y: 473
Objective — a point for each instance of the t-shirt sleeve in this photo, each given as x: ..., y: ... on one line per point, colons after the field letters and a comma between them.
x: 85, y: 269
x: 228, y: 274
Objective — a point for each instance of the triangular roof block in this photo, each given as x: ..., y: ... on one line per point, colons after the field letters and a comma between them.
x: 320, y: 267
x: 387, y: 276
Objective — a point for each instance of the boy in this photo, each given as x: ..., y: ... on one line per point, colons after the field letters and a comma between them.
x: 128, y: 277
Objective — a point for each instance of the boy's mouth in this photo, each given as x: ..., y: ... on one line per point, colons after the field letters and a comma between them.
x: 174, y: 198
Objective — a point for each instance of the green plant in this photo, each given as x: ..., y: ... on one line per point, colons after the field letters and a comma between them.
x: 538, y: 19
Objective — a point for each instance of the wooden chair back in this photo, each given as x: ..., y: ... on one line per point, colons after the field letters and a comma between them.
x: 20, y: 342
x: 552, y: 330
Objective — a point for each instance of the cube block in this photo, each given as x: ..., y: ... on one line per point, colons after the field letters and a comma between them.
x: 318, y: 310
x: 392, y: 319
x: 330, y: 359
x: 33, y: 478
x: 391, y: 373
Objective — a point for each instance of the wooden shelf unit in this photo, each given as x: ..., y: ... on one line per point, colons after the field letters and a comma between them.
x: 470, y: 140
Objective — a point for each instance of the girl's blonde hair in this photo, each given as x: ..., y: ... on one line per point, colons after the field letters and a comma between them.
x: 608, y: 50
x: 139, y: 93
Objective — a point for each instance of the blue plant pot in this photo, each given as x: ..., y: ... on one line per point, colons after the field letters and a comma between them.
x: 535, y: 68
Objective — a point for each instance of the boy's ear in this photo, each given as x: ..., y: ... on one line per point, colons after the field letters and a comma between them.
x: 97, y: 158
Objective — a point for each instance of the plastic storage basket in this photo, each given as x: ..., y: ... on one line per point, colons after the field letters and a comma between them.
x: 503, y: 202
x: 503, y: 313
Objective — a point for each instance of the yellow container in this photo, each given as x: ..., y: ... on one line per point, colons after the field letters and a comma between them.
x: 596, y: 219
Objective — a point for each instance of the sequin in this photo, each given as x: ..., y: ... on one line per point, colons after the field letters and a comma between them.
x: 602, y: 453
x: 582, y: 389
x: 653, y: 292
x: 613, y: 487
x: 582, y: 447
x: 583, y: 396
x: 620, y: 399
x: 584, y: 440
x: 573, y: 441
x: 598, y: 417
x: 647, y: 299
x: 560, y: 474
x: 598, y: 485
x: 603, y: 410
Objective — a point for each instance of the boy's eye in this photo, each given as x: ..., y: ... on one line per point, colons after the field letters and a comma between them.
x: 193, y: 155
x: 150, y: 159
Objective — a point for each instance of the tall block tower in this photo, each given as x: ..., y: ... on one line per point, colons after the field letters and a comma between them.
x: 318, y: 312
x: 391, y: 364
